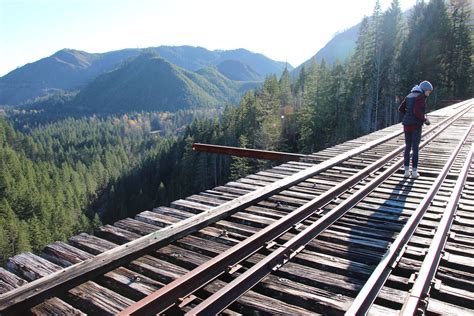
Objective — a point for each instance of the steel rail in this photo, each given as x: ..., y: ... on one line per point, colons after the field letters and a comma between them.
x: 170, y: 294
x: 426, y: 274
x: 377, y: 279
x: 232, y: 291
x: 33, y: 292
x: 463, y: 103
x: 246, y: 152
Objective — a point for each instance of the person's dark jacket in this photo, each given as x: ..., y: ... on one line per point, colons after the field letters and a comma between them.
x: 414, y: 108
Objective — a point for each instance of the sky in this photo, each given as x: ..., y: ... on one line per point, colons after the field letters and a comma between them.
x: 291, y: 30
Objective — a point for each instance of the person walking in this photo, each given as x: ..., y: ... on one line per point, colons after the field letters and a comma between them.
x: 413, y: 108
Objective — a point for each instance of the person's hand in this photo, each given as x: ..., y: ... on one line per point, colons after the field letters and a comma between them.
x: 427, y: 121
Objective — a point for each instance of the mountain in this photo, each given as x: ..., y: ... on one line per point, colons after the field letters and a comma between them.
x: 65, y: 70
x: 151, y: 83
x: 236, y: 70
x: 340, y: 47
x: 194, y: 58
x: 69, y: 70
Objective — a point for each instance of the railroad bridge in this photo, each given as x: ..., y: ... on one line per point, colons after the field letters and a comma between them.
x: 340, y: 231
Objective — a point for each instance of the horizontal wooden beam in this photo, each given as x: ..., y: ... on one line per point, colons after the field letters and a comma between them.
x: 245, y: 152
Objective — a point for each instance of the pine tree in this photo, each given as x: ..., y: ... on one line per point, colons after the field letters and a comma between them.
x: 286, y: 97
x: 410, y: 55
x: 424, y: 54
x: 391, y: 42
x: 240, y: 166
x: 359, y: 81
x: 14, y: 234
x: 460, y: 50
x: 373, y: 68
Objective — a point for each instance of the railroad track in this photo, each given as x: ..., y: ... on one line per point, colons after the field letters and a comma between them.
x: 323, y: 235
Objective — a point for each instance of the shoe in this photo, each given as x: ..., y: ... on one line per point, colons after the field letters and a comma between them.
x: 415, y: 174
x: 407, y: 172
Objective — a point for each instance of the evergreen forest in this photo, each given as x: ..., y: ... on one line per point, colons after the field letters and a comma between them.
x: 59, y: 177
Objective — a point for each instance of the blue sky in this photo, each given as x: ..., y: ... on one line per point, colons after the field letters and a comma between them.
x: 291, y: 30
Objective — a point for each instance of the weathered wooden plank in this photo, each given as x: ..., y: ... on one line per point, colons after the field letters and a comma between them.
x: 55, y: 306
x: 219, y: 235
x: 30, y: 266
x: 254, y: 182
x: 207, y: 247
x: 171, y: 212
x: 314, y: 299
x: 184, y: 257
x: 353, y: 253
x: 157, y: 269
x: 436, y: 307
x: 463, y: 263
x: 351, y: 240
x: 268, y: 211
x: 91, y: 244
x: 115, y: 234
x: 207, y: 200
x: 373, y: 219
x: 129, y: 283
x: 63, y: 254
x: 95, y: 299
x: 459, y: 249
x: 456, y: 278
x: 190, y: 206
x: 230, y: 190
x: 156, y: 219
x: 251, y: 219
x: 461, y: 297
x: 236, y: 228
x: 166, y: 271
x: 135, y: 226
x: 9, y: 281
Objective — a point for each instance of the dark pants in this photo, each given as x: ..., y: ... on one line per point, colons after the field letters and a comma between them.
x: 412, y: 143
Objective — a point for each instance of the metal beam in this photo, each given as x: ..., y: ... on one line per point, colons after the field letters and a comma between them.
x: 245, y: 152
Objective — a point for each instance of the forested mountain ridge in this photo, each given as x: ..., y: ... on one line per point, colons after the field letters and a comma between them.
x: 151, y: 83
x: 195, y: 58
x: 69, y: 69
x: 238, y: 71
x: 65, y: 70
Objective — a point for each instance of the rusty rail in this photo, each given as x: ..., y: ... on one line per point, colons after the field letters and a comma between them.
x: 246, y: 152
x: 374, y: 284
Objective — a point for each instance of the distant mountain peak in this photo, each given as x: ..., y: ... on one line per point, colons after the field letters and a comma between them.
x: 74, y: 58
x: 237, y: 70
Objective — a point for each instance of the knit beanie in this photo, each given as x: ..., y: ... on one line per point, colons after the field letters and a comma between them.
x: 426, y: 85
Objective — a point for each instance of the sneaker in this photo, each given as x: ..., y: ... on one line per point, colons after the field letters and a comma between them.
x: 406, y: 174
x: 415, y: 174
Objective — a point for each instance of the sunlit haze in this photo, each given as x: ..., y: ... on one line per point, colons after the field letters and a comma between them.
x: 290, y: 31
